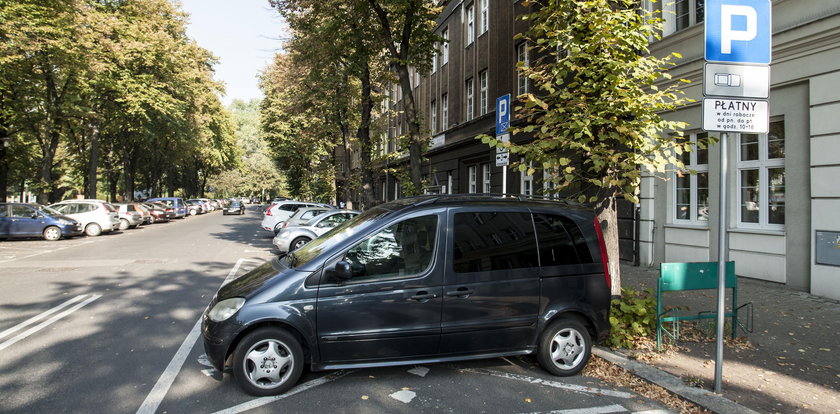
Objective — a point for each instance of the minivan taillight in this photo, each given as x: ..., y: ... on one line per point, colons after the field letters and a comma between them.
x: 605, y: 259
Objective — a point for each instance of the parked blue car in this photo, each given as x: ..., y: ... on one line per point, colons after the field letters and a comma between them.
x: 177, y: 203
x: 35, y: 220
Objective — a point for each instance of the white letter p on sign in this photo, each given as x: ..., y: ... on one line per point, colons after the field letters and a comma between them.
x: 727, y: 35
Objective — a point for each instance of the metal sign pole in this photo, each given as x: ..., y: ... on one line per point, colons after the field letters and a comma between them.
x: 721, y: 291
x: 504, y: 179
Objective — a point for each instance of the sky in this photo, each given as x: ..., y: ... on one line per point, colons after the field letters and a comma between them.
x: 243, y: 34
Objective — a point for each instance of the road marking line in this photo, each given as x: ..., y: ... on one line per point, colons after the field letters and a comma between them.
x: 158, y: 392
x: 555, y: 384
x: 37, y: 318
x: 46, y: 323
x: 259, y: 402
x: 607, y: 409
x: 49, y: 251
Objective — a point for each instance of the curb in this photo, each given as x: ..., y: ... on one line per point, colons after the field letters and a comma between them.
x: 706, y: 399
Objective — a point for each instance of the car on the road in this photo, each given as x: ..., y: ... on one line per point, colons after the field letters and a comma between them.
x: 159, y: 212
x: 130, y: 215
x: 235, y: 207
x: 176, y: 203
x: 277, y: 213
x: 96, y: 216
x: 303, y: 215
x: 35, y: 220
x: 196, y: 207
x: 419, y: 280
x: 295, y: 235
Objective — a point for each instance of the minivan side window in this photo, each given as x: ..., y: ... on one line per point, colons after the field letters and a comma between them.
x: 487, y: 241
x: 556, y: 245
x: 561, y: 241
x: 402, y: 249
x: 20, y: 211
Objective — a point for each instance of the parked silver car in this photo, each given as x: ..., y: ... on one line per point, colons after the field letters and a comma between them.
x: 96, y: 216
x: 291, y: 238
x: 130, y: 215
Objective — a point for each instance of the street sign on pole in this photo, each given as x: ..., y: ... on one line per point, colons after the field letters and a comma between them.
x: 502, y: 154
x: 736, y: 115
x: 737, y: 32
x: 741, y: 81
x: 502, y: 114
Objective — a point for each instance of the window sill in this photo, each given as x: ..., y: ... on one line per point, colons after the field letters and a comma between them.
x: 687, y: 226
x: 765, y: 232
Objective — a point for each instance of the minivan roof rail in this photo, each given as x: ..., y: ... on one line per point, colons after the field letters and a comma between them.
x: 435, y: 198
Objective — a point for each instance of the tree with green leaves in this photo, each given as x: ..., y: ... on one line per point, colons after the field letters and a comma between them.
x: 405, y: 29
x: 595, y: 113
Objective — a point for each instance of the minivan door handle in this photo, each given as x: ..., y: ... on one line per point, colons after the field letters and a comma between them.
x: 423, y: 296
x: 461, y: 292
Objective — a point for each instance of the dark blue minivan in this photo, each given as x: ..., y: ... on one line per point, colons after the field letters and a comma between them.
x: 419, y: 280
x: 35, y: 220
x: 177, y: 204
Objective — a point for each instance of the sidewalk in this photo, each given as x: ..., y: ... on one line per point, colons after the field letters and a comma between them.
x: 789, y: 364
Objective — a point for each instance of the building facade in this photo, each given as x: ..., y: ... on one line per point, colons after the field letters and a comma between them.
x: 783, y: 186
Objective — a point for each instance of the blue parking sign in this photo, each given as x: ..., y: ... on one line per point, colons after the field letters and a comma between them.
x: 738, y: 31
x: 502, y: 114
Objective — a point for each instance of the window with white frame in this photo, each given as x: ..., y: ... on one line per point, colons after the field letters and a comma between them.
x: 522, y: 57
x: 526, y: 182
x: 470, y: 99
x: 485, y: 16
x: 681, y: 14
x: 691, y: 191
x: 435, y: 59
x: 486, y: 175
x: 444, y: 112
x: 549, y: 185
x: 761, y: 178
x: 445, y: 57
x: 470, y: 24
x: 433, y: 117
x: 482, y: 102
x: 472, y: 179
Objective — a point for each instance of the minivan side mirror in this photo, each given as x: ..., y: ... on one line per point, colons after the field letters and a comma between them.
x: 342, y: 271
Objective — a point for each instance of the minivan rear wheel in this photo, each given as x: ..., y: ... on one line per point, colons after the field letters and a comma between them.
x: 93, y: 230
x: 565, y: 347
x: 267, y: 361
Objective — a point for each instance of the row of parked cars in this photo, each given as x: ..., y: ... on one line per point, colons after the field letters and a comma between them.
x: 295, y: 223
x: 93, y: 217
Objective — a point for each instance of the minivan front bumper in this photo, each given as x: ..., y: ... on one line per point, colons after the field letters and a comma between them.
x: 218, y: 338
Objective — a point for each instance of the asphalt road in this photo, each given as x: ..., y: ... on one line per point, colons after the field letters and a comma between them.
x: 110, y: 325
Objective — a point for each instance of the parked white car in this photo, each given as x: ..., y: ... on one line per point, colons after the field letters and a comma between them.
x: 277, y: 213
x: 96, y: 216
x: 293, y: 237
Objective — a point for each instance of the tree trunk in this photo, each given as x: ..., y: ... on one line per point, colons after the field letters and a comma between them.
x: 415, y: 149
x: 363, y: 135
x: 608, y: 218
x: 94, y: 160
x: 4, y: 163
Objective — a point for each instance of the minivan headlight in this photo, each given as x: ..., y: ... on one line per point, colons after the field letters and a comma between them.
x: 225, y: 309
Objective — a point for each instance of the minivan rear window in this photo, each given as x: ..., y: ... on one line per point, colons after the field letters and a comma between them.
x: 485, y: 241
x: 556, y: 244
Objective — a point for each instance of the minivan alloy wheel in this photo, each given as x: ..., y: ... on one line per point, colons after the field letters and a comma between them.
x: 52, y: 233
x: 565, y: 347
x: 267, y: 361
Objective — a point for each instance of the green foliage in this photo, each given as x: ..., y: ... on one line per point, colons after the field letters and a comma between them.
x: 597, y: 98
x: 632, y: 317
x: 116, y: 86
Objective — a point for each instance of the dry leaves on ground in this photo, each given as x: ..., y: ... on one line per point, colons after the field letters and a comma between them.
x: 615, y: 375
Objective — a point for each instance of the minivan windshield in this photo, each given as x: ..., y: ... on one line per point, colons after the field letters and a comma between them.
x: 328, y: 240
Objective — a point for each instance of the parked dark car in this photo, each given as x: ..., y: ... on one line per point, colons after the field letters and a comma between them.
x: 176, y: 203
x: 235, y: 207
x: 419, y: 280
x: 35, y: 220
x: 161, y: 213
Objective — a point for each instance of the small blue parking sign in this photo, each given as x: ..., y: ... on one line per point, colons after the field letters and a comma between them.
x: 738, y: 31
x: 502, y: 114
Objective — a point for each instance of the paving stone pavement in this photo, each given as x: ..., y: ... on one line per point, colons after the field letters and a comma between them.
x: 790, y: 363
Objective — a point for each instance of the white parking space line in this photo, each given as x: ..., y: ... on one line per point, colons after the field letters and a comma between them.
x: 158, y: 392
x: 46, y: 323
x: 259, y: 402
x: 37, y: 318
x: 555, y: 384
x: 606, y: 409
x: 47, y: 251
